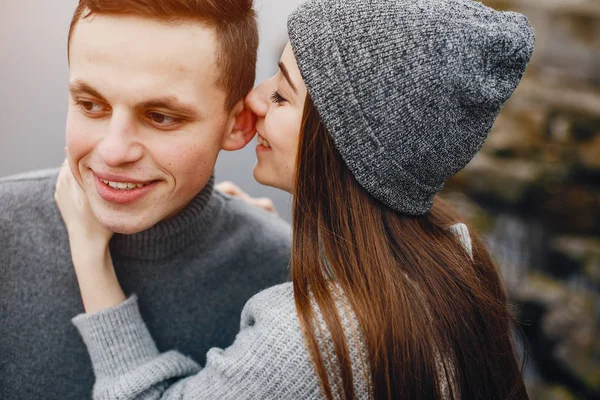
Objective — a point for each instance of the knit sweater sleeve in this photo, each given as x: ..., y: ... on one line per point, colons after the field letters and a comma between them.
x: 268, y: 359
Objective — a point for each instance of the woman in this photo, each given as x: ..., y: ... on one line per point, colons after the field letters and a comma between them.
x: 376, y: 104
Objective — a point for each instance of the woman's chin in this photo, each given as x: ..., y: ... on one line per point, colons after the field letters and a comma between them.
x: 260, y: 176
x: 266, y: 178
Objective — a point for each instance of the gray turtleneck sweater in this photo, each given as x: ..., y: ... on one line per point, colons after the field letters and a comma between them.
x: 193, y: 274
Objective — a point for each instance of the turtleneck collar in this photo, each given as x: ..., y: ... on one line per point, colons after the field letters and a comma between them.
x: 169, y: 236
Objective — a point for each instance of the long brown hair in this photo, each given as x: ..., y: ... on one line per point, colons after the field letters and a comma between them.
x: 434, y: 321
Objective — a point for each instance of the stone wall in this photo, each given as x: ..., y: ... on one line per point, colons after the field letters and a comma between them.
x: 534, y: 192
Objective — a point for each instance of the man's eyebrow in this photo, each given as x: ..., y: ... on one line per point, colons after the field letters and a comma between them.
x: 79, y: 87
x: 286, y: 74
x: 170, y: 103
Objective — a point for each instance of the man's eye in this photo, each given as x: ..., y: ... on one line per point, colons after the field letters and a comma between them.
x: 163, y: 120
x: 91, y: 107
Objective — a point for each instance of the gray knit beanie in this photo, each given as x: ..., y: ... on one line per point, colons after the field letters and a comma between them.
x: 408, y: 89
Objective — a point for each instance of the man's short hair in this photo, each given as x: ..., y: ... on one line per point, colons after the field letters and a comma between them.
x: 234, y: 22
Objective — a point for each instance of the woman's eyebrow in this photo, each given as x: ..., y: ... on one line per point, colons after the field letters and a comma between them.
x: 286, y: 74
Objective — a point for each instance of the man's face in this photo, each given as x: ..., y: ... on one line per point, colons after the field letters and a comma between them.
x: 146, y: 118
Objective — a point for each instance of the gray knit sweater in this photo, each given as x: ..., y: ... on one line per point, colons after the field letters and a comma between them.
x: 268, y: 359
x: 193, y: 275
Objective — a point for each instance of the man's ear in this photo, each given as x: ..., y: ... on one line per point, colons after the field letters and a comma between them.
x: 243, y: 130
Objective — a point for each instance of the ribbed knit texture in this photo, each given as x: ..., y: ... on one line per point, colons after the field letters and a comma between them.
x: 408, y: 90
x: 268, y: 360
x: 193, y: 273
x: 168, y: 237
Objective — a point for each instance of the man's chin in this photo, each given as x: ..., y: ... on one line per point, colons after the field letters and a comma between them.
x: 125, y: 222
x: 127, y: 230
x: 125, y: 226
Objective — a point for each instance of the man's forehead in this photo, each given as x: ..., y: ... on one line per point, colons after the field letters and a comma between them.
x: 136, y: 42
x: 144, y: 58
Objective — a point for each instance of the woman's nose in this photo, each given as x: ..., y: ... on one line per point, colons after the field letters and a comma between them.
x: 258, y: 100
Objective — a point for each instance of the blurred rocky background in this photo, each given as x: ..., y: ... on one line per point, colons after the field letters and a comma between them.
x: 534, y: 193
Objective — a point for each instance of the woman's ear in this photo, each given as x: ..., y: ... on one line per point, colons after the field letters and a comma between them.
x: 243, y: 129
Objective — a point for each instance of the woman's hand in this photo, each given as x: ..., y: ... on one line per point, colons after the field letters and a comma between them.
x: 89, y: 243
x: 234, y: 190
x: 81, y: 223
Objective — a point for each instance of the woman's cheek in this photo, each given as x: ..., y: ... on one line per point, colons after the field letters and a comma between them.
x: 293, y: 138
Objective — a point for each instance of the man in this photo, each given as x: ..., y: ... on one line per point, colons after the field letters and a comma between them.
x: 156, y: 91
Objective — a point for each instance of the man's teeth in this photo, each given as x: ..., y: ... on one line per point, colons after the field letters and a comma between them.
x: 123, y: 185
x: 263, y: 141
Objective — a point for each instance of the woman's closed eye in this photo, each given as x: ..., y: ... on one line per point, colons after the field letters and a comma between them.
x: 277, y: 98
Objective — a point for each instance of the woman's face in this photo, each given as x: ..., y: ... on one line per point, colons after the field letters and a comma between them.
x: 279, y: 104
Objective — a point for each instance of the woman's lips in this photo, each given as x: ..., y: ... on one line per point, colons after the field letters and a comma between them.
x: 124, y: 193
x: 262, y: 141
x: 263, y: 145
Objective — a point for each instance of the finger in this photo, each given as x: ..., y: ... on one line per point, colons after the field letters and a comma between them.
x: 224, y: 187
x: 67, y: 174
x: 229, y: 188
x: 232, y: 189
x: 265, y: 203
x: 60, y: 183
x: 61, y: 175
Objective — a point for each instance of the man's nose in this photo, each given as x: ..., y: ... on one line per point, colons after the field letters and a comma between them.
x: 121, y: 143
x: 258, y: 100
